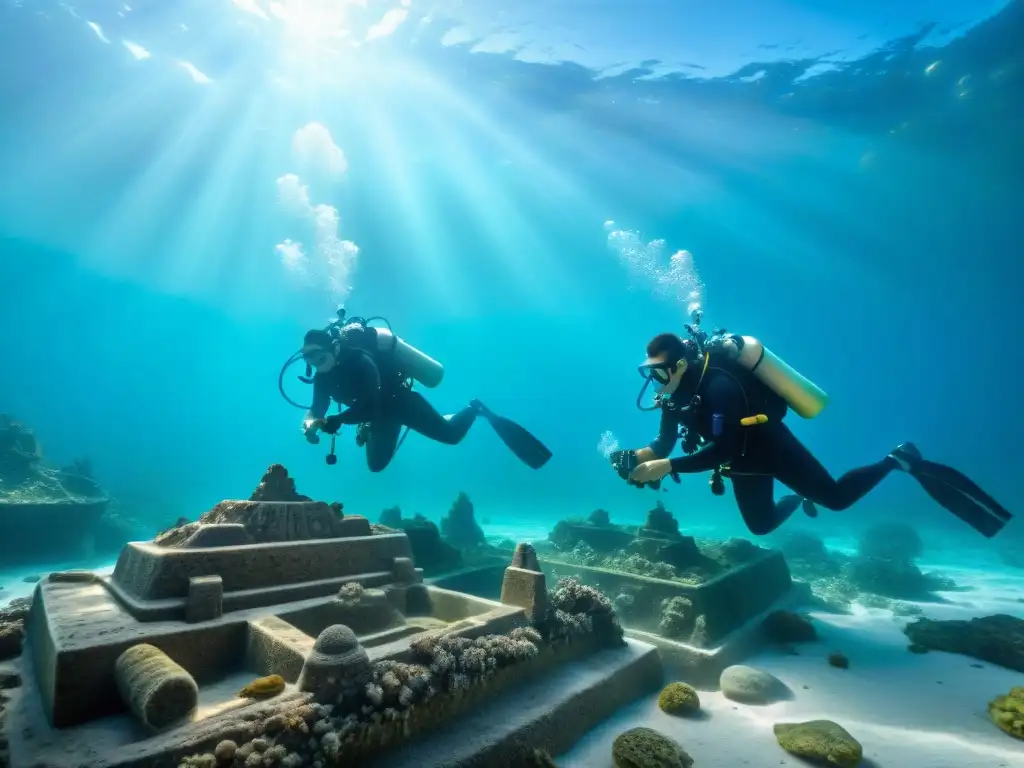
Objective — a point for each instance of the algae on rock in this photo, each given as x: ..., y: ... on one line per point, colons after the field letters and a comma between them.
x: 646, y: 748
x: 1007, y: 712
x: 678, y: 699
x: 821, y: 740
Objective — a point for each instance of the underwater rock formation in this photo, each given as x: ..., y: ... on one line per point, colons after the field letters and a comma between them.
x: 460, y: 528
x: 605, y: 539
x: 997, y: 639
x: 822, y: 741
x: 431, y: 553
x: 660, y: 523
x: 12, y: 627
x: 751, y: 686
x: 277, y: 485
x: 45, y: 512
x: 788, y: 627
x: 677, y: 617
x: 646, y: 748
x: 275, y: 513
x: 1007, y: 712
x: 600, y: 517
x: 678, y: 699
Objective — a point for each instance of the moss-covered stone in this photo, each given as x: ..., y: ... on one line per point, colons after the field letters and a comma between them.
x: 646, y: 748
x: 678, y: 699
x: 1007, y: 712
x: 820, y: 740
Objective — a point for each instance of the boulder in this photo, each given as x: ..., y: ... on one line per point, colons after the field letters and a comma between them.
x: 997, y: 639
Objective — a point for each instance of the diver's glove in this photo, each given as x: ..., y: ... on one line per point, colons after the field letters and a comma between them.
x: 332, y: 424
x: 310, y: 427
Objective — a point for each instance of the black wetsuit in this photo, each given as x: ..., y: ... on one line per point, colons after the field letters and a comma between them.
x: 756, y: 456
x: 376, y: 394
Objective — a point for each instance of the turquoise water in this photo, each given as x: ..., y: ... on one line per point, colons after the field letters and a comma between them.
x: 844, y: 180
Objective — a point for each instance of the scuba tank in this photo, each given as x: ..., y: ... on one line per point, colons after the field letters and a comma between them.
x: 801, y: 394
x: 409, y: 360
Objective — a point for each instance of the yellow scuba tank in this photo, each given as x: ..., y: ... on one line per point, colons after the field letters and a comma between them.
x: 409, y: 360
x: 801, y: 394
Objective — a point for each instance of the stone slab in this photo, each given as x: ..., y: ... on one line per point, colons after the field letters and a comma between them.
x: 146, y: 571
x: 552, y: 713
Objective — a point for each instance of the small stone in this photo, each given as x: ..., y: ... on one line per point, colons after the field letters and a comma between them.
x: 838, y: 660
x: 750, y: 686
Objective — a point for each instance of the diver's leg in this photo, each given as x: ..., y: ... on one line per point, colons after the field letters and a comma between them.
x: 419, y: 415
x: 795, y: 466
x: 755, y: 496
x: 382, y: 442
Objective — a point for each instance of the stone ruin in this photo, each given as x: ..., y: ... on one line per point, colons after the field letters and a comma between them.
x: 45, y: 511
x: 282, y: 626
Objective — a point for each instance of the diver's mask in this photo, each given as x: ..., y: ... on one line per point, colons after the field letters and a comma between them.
x: 664, y: 375
x: 318, y: 358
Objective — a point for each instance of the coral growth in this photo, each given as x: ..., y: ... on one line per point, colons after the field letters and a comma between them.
x: 12, y: 627
x: 678, y: 699
x: 576, y: 609
x: 26, y: 478
x: 351, y: 593
x: 677, y: 617
x: 1007, y: 712
x: 263, y: 687
x: 460, y: 528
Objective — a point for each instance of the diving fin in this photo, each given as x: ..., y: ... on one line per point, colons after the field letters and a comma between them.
x: 954, y: 491
x: 527, y: 448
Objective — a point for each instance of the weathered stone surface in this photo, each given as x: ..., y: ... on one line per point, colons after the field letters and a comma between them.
x: 205, y: 598
x: 159, y: 692
x: 217, y: 535
x: 525, y: 557
x: 403, y: 570
x: 276, y: 485
x: 460, y: 528
x: 525, y: 589
x: 150, y: 572
x: 997, y: 639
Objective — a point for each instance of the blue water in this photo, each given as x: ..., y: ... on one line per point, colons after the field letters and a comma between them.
x: 846, y: 177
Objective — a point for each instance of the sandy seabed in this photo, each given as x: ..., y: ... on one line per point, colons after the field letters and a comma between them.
x: 907, y: 710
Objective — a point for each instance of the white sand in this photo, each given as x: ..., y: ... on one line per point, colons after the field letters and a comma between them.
x: 907, y: 710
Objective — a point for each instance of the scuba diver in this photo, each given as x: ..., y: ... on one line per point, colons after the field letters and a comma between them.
x: 726, y: 396
x: 371, y: 371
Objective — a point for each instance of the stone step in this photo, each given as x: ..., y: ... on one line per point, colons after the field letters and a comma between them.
x: 552, y: 713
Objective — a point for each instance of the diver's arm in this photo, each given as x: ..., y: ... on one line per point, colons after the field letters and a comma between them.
x: 366, y: 406
x: 668, y: 434
x: 721, y: 397
x: 321, y: 400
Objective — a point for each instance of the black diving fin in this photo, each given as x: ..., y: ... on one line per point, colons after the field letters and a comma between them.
x: 527, y: 448
x: 956, y: 492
